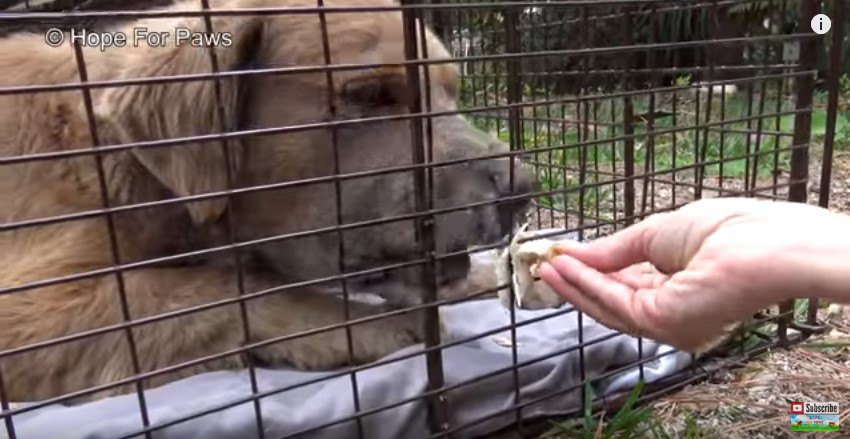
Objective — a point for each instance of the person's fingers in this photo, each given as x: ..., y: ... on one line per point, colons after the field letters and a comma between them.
x: 567, y: 291
x: 619, y: 250
x: 668, y: 240
x: 599, y: 295
x: 655, y: 312
x: 608, y: 254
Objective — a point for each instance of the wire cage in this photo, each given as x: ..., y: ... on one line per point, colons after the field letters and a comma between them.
x: 615, y: 109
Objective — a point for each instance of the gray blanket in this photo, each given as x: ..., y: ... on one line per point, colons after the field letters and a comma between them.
x: 545, y: 348
x: 321, y: 403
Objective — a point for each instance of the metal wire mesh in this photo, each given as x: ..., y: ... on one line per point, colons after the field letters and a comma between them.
x: 622, y: 108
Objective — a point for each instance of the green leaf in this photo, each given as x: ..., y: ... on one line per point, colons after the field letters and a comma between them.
x: 589, y: 420
x: 690, y: 426
x: 625, y: 416
x: 752, y: 342
x: 826, y: 345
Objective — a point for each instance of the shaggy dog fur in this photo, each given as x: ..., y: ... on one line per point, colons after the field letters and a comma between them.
x: 157, y: 295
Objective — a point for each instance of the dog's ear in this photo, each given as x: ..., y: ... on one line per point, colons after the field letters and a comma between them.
x: 183, y: 108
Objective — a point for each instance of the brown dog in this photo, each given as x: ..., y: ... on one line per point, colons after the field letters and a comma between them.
x: 53, y: 122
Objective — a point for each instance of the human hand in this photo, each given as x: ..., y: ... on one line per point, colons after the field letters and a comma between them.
x: 682, y: 277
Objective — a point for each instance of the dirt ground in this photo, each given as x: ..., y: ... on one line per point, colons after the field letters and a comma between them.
x: 753, y: 401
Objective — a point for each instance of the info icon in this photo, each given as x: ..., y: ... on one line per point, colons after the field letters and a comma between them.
x: 821, y: 24
x: 797, y: 408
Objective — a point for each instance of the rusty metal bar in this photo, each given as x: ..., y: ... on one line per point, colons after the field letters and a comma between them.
x: 349, y: 122
x: 780, y: 93
x: 347, y: 226
x: 30, y: 89
x: 232, y: 230
x: 8, y: 421
x: 836, y: 50
x: 330, y: 99
x: 425, y: 225
x: 649, y: 159
x: 709, y: 55
x: 114, y: 248
x: 628, y: 122
x: 797, y: 192
x: 514, y: 95
x: 12, y: 16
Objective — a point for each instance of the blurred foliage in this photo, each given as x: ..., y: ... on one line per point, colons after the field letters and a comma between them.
x: 582, y: 30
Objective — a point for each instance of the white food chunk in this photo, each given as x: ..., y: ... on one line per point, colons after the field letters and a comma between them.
x: 525, y: 259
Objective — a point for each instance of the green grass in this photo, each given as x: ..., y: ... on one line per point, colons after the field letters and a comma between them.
x: 815, y: 428
x: 630, y: 421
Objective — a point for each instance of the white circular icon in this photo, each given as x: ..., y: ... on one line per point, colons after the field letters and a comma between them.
x: 821, y: 24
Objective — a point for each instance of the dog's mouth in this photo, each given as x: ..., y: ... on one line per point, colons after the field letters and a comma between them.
x: 401, y: 287
x: 404, y: 287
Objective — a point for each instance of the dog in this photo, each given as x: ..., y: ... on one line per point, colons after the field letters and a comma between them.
x: 98, y: 350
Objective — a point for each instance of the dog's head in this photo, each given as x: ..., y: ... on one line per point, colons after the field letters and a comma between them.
x: 366, y: 199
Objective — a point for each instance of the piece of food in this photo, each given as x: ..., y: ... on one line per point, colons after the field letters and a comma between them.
x: 525, y: 259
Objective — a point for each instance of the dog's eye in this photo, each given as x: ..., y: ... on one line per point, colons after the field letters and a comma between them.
x: 376, y: 91
x: 370, y: 94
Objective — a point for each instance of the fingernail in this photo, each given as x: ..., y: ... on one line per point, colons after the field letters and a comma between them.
x: 569, y: 245
x: 546, y: 267
x: 560, y: 260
